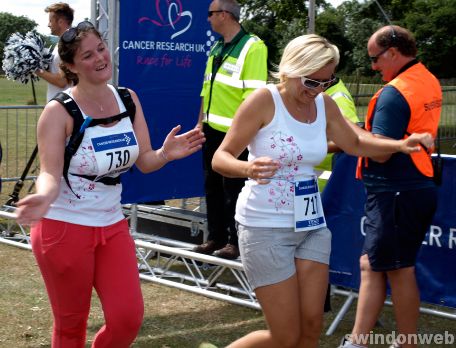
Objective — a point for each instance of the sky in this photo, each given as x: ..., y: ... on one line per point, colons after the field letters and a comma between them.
x: 34, y: 10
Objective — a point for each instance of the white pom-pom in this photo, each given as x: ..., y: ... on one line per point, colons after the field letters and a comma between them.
x: 23, y: 55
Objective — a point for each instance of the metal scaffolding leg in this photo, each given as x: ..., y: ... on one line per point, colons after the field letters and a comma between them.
x: 343, y: 310
x: 179, y: 267
x: 352, y: 295
x: 11, y: 232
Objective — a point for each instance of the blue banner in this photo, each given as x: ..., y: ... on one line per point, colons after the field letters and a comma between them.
x: 343, y: 202
x: 164, y: 46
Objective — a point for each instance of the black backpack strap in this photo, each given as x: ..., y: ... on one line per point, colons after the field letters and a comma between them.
x: 107, y: 180
x: 108, y: 120
x: 130, y: 105
x: 72, y: 108
x: 77, y: 134
x: 79, y: 125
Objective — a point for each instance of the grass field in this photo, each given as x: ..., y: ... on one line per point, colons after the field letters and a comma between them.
x: 173, y: 318
x: 15, y: 93
x: 18, y: 127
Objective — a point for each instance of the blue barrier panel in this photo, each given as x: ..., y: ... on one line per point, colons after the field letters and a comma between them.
x: 163, y: 47
x: 343, y: 201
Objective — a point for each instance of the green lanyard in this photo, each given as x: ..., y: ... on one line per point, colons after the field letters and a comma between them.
x: 217, y: 62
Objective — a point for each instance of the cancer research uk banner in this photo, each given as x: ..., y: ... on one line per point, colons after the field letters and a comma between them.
x: 343, y: 201
x: 163, y: 48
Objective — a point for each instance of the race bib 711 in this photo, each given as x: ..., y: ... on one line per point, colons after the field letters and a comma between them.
x: 308, y: 210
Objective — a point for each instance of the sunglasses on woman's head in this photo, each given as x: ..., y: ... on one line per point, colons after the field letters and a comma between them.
x: 70, y: 34
x: 309, y: 83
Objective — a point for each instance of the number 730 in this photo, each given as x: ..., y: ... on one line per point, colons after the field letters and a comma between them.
x: 121, y: 158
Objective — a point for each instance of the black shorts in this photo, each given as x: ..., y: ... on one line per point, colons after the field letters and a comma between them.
x: 396, y: 224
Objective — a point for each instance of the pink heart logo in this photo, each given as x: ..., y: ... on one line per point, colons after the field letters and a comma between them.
x: 165, y: 21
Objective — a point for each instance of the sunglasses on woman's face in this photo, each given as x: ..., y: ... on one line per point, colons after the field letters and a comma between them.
x: 309, y: 83
x: 70, y: 34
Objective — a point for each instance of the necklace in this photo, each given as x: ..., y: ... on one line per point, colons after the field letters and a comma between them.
x: 301, y: 110
x: 93, y: 102
x: 100, y: 106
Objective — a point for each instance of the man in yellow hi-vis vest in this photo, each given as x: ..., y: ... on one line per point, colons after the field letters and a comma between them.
x: 236, y: 66
x: 340, y: 94
x: 344, y: 100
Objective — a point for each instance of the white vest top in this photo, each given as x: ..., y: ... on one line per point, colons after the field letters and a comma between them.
x: 298, y: 147
x: 104, y: 151
x: 54, y: 68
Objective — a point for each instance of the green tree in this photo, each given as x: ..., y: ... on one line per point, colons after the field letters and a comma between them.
x: 433, y: 23
x: 332, y: 25
x: 10, y: 24
x: 276, y: 22
x: 361, y: 20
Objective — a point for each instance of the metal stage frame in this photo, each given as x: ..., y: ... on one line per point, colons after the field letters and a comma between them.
x: 163, y: 260
x: 179, y: 267
x: 171, y: 262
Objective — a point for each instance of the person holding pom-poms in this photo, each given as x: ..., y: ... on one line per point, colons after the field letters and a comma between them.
x: 60, y: 19
x: 23, y: 55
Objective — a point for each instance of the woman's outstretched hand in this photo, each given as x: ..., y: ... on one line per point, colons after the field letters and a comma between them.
x: 182, y: 145
x: 412, y: 143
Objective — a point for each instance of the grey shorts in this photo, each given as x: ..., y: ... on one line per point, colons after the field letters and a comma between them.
x: 268, y: 254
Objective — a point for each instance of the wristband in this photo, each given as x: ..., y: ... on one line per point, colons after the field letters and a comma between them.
x: 163, y: 154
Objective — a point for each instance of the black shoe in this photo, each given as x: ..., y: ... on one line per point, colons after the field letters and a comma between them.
x: 229, y: 251
x: 207, y: 248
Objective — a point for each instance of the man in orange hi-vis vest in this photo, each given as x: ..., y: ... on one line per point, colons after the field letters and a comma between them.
x: 401, y: 193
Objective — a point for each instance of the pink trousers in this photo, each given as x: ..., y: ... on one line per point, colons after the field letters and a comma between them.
x: 73, y: 259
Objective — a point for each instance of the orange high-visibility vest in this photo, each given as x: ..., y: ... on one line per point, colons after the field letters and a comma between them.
x: 423, y: 94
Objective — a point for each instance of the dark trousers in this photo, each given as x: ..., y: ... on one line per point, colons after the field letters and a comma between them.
x: 221, y: 192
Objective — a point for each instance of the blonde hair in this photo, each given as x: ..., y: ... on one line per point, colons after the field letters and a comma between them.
x: 305, y: 55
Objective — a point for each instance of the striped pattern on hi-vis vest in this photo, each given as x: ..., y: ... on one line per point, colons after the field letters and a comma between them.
x: 243, y: 69
x: 340, y: 94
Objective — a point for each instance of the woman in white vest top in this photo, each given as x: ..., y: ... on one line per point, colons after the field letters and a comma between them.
x: 79, y: 234
x: 283, y: 238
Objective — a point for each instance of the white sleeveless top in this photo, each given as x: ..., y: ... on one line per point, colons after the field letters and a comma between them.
x: 54, y: 68
x: 298, y: 147
x: 104, y: 151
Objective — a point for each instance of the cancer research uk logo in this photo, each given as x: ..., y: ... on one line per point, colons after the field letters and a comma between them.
x: 170, y: 14
x: 171, y: 19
